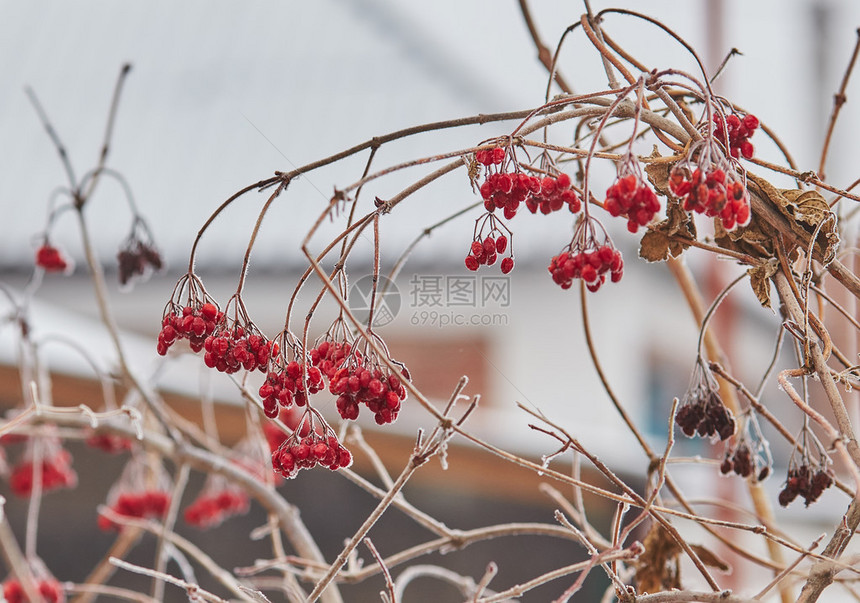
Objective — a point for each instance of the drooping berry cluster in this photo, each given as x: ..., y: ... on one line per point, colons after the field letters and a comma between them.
x: 56, y: 468
x: 142, y: 491
x: 706, y: 417
x: 363, y: 379
x: 309, y: 452
x: 137, y: 258
x: 555, y: 192
x: 141, y: 504
x: 703, y: 411
x: 230, y: 349
x: 489, y: 241
x: 488, y: 157
x: 739, y: 460
x: 211, y: 508
x: 51, y: 259
x: 590, y: 266
x: 749, y: 456
x: 739, y: 131
x: 193, y: 322
x: 382, y: 393
x: 319, y: 446
x: 485, y: 252
x: 506, y: 185
x: 712, y: 193
x: 806, y: 482
x: 329, y: 355
x: 49, y: 589
x: 506, y: 191
x: 282, y: 386
x: 629, y: 196
x: 190, y: 314
x: 587, y: 258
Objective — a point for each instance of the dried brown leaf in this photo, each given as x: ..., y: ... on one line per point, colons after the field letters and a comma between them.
x: 760, y: 280
x: 657, y: 569
x: 806, y: 206
x: 657, y: 244
x: 805, y: 212
x: 658, y: 175
x: 709, y: 558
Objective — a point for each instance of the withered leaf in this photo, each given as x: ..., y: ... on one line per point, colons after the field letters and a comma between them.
x: 760, y: 280
x: 472, y: 170
x: 657, y: 244
x: 657, y: 569
x: 806, y: 206
x: 658, y: 175
x: 709, y: 558
x: 805, y: 212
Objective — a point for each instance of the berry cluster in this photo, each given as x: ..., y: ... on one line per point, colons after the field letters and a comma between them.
x: 137, y: 259
x: 329, y: 355
x: 281, y: 387
x: 486, y: 252
x: 49, y: 589
x: 740, y: 460
x: 305, y: 453
x: 804, y: 482
x: 505, y: 191
x: 138, y: 256
x: 364, y: 381
x: 739, y: 131
x: 106, y: 442
x: 489, y: 241
x: 488, y: 157
x: 209, y: 510
x: 554, y: 194
x: 231, y: 349
x: 192, y: 322
x: 57, y: 472
x: 629, y: 196
x: 712, y: 193
x: 51, y: 259
x: 142, y: 504
x: 590, y: 265
x: 706, y: 415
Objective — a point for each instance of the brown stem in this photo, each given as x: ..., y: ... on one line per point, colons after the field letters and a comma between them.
x: 544, y: 54
x: 838, y: 100
x: 761, y: 504
x: 114, y: 106
x: 824, y: 572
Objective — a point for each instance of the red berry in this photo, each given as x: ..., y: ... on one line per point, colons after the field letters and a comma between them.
x: 489, y: 246
x: 750, y: 121
x: 507, y: 265
x: 501, y: 244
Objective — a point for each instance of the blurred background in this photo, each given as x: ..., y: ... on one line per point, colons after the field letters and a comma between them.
x: 222, y: 95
